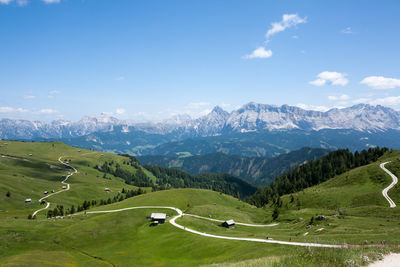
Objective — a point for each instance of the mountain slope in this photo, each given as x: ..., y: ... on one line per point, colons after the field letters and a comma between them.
x: 272, y: 143
x: 258, y: 170
x: 316, y: 172
x: 97, y: 171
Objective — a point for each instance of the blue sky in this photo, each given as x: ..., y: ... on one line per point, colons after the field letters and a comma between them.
x: 148, y: 60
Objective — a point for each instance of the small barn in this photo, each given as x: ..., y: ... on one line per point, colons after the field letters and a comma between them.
x: 45, y: 192
x: 107, y: 189
x: 229, y: 224
x: 28, y: 200
x: 64, y: 187
x: 158, y: 217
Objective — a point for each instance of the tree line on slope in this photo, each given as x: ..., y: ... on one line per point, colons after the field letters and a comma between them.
x: 314, y: 173
x: 257, y: 170
x: 137, y: 178
x: 167, y: 178
x: 225, y: 183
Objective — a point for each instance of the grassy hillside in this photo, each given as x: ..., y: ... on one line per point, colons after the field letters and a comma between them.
x: 127, y: 239
x: 29, y: 176
x: 352, y: 204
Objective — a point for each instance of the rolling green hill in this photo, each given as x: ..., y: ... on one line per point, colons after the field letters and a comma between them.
x: 353, y: 207
x: 257, y: 170
x: 43, y: 171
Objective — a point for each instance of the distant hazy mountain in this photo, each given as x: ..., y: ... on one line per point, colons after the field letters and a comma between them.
x: 23, y: 129
x: 251, y: 117
x: 252, y: 130
x: 258, y: 170
x: 254, y: 117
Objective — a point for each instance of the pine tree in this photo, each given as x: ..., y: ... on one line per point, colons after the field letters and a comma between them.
x: 275, y: 214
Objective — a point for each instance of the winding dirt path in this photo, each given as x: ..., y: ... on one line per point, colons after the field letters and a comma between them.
x: 181, y: 214
x: 62, y: 190
x: 385, y: 191
x: 238, y: 223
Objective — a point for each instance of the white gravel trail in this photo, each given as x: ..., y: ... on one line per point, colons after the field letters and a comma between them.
x: 385, y: 191
x: 62, y: 190
x: 181, y: 214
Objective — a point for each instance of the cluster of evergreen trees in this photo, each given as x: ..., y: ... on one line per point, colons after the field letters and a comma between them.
x: 87, y: 204
x: 315, y: 172
x: 137, y: 178
x: 175, y: 178
x: 57, y: 211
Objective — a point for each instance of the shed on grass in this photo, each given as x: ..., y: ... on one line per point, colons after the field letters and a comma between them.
x: 64, y: 187
x: 158, y: 217
x: 28, y: 200
x: 107, y: 189
x: 229, y: 224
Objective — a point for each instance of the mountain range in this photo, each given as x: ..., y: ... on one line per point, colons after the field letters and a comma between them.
x: 252, y: 130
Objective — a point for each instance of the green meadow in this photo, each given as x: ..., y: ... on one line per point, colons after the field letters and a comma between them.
x: 352, y: 205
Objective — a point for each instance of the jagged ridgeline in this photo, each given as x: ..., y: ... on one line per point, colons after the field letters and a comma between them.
x: 162, y: 178
x: 314, y: 173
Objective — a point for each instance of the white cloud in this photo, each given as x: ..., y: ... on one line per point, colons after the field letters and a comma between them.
x: 29, y: 96
x: 203, y: 112
x: 22, y: 2
x: 120, y: 111
x: 361, y: 100
x: 384, y: 101
x: 120, y: 78
x: 380, y: 82
x: 12, y: 110
x: 19, y: 2
x: 225, y: 105
x: 47, y: 111
x: 197, y: 105
x: 312, y: 107
x: 22, y: 110
x: 25, y: 2
x: 390, y: 101
x: 288, y: 20
x: 335, y: 78
x: 260, y: 52
x: 341, y: 97
x: 387, y: 101
x: 347, y: 30
x: 53, y: 93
